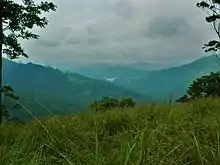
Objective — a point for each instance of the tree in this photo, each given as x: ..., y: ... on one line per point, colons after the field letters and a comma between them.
x: 212, y: 8
x: 203, y: 87
x: 183, y: 99
x: 207, y: 86
x: 16, y: 21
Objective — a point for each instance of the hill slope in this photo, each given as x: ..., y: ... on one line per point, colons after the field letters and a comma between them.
x: 104, y: 71
x: 163, y: 83
x: 61, y: 92
x: 160, y: 84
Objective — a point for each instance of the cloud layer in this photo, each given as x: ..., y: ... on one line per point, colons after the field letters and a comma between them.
x: 83, y: 31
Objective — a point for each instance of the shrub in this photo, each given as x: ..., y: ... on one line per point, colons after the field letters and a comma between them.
x: 203, y: 87
x: 126, y: 102
x: 108, y: 103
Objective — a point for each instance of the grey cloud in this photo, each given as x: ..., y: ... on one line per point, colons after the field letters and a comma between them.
x: 48, y: 43
x: 87, y: 41
x: 94, y: 41
x: 168, y: 27
x: 121, y: 30
x: 124, y: 10
x: 72, y: 42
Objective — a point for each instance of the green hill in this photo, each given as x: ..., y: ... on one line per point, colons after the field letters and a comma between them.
x: 61, y: 92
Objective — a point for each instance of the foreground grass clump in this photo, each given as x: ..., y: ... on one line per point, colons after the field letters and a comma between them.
x: 151, y: 134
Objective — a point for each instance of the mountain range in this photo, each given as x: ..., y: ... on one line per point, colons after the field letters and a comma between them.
x: 160, y: 83
x: 60, y: 92
x: 44, y: 89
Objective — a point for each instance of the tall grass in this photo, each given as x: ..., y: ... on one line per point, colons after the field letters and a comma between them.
x: 150, y: 134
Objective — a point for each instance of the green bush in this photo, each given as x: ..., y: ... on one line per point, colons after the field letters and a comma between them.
x: 203, y: 87
x: 108, y: 103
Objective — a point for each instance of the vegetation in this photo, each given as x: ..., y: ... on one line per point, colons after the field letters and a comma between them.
x: 148, y: 134
x: 16, y: 20
x: 108, y: 103
x: 46, y: 91
x: 206, y: 86
x: 212, y: 7
x: 152, y: 134
x: 157, y: 84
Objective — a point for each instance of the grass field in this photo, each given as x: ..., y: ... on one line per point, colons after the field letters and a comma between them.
x: 145, y: 135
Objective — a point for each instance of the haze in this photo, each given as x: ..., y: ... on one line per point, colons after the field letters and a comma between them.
x: 82, y: 31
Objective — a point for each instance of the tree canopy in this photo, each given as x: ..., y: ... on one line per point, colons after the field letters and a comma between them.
x: 203, y: 87
x: 212, y: 8
x: 16, y: 22
x: 209, y: 85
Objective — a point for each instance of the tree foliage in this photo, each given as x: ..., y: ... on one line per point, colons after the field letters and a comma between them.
x: 108, y: 103
x: 203, y: 87
x: 209, y: 85
x: 212, y: 8
x: 16, y: 22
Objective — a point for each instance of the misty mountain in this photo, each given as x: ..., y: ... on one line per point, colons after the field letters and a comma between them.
x: 61, y: 92
x: 161, y: 84
x: 104, y: 71
x: 148, y: 66
x: 118, y: 70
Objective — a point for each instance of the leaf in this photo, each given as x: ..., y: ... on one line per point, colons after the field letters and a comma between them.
x: 11, y: 95
x: 17, y: 105
x: 203, y: 4
x: 212, y: 18
x: 18, y: 18
x: 212, y: 43
x: 28, y: 2
x: 216, y: 1
x: 8, y: 88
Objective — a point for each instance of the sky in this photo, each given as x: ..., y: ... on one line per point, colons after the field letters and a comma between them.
x: 121, y: 31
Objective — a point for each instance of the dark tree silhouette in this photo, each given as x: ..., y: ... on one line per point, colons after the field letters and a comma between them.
x: 203, y: 87
x: 207, y: 86
x: 212, y: 8
x: 16, y: 21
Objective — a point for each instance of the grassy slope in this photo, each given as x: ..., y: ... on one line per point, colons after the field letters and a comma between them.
x: 152, y: 134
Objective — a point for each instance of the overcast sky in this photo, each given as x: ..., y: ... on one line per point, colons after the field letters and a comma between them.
x: 83, y: 31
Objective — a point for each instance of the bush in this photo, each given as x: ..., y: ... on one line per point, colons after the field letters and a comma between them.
x: 203, y: 87
x: 126, y: 102
x: 108, y: 103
